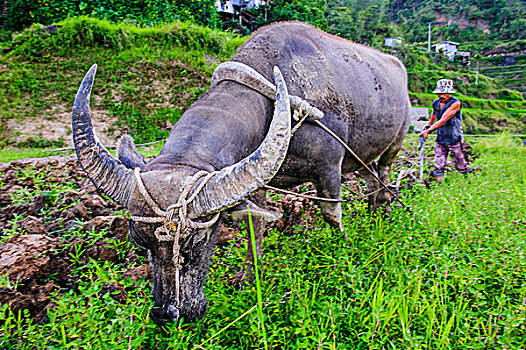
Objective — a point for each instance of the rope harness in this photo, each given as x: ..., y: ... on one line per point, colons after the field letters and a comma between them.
x: 176, y: 224
x: 301, y: 114
x: 247, y: 76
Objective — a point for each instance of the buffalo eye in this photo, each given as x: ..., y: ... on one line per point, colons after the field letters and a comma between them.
x: 138, y: 235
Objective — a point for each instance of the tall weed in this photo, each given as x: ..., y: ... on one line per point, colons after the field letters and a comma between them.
x: 500, y: 143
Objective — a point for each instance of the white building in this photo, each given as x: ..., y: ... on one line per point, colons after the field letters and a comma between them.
x: 449, y: 49
x: 393, y: 42
x: 236, y: 6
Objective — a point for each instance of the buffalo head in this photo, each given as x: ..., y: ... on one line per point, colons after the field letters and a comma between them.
x: 174, y: 210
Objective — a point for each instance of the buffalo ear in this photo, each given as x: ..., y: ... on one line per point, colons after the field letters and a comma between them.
x: 241, y: 211
x: 128, y: 155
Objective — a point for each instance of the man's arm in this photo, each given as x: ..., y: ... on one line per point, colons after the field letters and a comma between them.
x: 451, y: 111
x: 432, y: 119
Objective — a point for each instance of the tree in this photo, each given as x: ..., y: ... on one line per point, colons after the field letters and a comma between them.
x: 286, y: 10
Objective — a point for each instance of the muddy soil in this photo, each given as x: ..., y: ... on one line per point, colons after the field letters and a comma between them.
x: 37, y: 258
x: 37, y: 243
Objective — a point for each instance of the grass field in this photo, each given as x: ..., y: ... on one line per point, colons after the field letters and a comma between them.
x: 449, y: 274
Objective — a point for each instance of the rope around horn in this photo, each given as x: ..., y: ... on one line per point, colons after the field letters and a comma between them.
x: 174, y: 230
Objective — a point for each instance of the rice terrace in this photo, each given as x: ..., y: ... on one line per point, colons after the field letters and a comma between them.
x: 263, y: 176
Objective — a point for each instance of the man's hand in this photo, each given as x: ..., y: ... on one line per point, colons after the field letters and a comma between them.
x: 424, y: 134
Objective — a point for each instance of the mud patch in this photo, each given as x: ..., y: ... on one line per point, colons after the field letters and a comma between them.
x: 38, y: 249
x: 28, y: 261
x: 58, y: 127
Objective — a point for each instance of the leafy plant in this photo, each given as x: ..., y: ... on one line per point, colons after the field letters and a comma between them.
x: 22, y: 13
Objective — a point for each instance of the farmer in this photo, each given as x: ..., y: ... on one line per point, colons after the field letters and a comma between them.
x: 446, y: 118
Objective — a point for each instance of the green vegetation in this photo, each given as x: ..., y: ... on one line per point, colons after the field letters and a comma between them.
x: 464, y: 82
x: 371, y: 20
x: 146, y: 78
x: 51, y: 190
x: 510, y: 76
x: 9, y: 154
x: 22, y: 13
x: 365, y: 21
x: 450, y: 274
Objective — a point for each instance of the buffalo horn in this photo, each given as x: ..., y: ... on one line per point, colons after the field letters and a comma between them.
x: 231, y: 185
x: 106, y: 172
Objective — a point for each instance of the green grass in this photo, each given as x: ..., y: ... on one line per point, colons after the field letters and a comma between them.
x: 450, y: 274
x: 473, y: 102
x: 424, y: 80
x: 477, y: 121
x: 9, y: 154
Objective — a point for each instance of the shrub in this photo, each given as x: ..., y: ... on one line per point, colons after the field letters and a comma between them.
x: 22, y: 13
x: 510, y: 95
x: 83, y: 32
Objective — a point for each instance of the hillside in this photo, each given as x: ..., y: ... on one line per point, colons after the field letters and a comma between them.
x: 512, y: 75
x: 470, y: 20
x: 364, y: 21
x: 146, y: 78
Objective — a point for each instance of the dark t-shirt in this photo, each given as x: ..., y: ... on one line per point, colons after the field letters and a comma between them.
x: 451, y: 132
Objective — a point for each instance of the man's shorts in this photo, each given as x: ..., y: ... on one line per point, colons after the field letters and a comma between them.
x: 441, y: 152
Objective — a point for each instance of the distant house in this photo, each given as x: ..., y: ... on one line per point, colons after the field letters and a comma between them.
x: 464, y: 57
x: 448, y: 48
x: 235, y: 7
x: 393, y: 42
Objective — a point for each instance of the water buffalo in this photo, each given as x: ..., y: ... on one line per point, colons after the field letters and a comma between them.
x: 234, y: 140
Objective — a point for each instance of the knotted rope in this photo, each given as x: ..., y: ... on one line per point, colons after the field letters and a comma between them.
x: 176, y: 224
x: 301, y: 114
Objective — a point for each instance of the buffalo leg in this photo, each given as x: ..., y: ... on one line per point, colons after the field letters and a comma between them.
x: 328, y: 186
x: 258, y: 224
x: 373, y: 186
x: 379, y: 195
